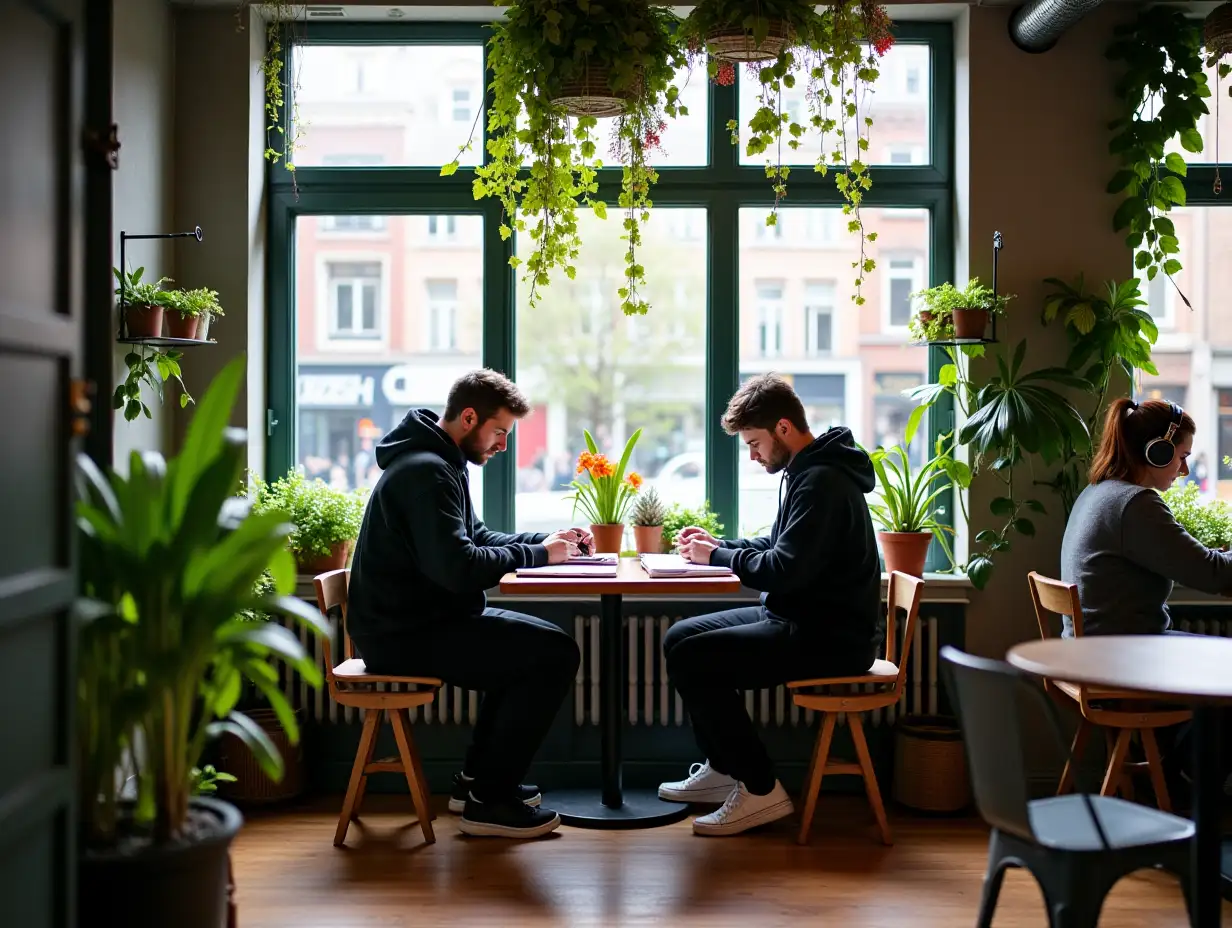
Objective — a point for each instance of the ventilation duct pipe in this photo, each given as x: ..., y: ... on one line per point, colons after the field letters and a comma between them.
x: 1036, y: 26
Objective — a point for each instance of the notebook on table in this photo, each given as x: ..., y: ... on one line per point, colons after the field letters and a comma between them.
x: 571, y: 568
x: 673, y: 565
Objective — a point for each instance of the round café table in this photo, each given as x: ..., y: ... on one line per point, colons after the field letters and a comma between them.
x: 1195, y: 670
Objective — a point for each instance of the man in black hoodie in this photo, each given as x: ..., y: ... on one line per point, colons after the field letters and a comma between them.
x: 416, y: 604
x: 820, y: 616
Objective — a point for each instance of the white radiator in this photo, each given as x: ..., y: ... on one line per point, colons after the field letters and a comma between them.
x: 651, y: 699
x: 1203, y: 627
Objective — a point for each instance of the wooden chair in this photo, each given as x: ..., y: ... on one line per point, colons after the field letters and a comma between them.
x: 889, y: 677
x: 350, y: 684
x: 1126, y: 713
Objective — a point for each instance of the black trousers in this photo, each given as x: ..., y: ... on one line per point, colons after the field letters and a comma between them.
x: 712, y: 658
x: 524, y: 667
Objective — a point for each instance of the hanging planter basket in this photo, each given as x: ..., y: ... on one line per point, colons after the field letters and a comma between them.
x: 592, y: 96
x: 1217, y: 31
x: 733, y: 43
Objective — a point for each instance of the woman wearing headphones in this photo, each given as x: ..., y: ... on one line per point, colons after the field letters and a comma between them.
x: 1122, y: 548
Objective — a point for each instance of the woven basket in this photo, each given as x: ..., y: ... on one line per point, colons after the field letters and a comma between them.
x: 591, y: 96
x: 252, y: 786
x: 1217, y: 30
x: 930, y: 771
x: 734, y: 44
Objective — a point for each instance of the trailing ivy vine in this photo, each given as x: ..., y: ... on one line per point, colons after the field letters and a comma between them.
x: 280, y: 17
x: 1162, y: 93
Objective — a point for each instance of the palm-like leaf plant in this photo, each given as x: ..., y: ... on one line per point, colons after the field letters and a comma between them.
x: 169, y: 558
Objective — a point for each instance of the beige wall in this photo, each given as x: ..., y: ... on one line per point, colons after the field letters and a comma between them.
x: 143, y: 95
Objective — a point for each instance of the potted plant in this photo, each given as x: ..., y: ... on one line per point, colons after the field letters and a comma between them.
x: 908, y: 511
x: 143, y: 303
x: 326, y: 520
x: 648, y: 515
x: 978, y: 303
x: 556, y: 59
x: 142, y: 365
x: 206, y: 301
x: 167, y: 558
x: 188, y: 310
x: 1209, y: 522
x: 606, y: 497
x: 834, y: 49
x: 679, y: 517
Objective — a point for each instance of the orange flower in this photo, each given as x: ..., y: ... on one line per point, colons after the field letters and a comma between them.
x: 634, y: 480
x: 585, y: 461
x: 601, y: 467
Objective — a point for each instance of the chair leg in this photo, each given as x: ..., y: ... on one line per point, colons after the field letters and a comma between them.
x: 997, y: 865
x: 414, y: 772
x: 366, y: 739
x: 1156, y: 767
x: 817, y: 770
x: 856, y: 723
x: 1116, y: 762
x: 1075, y: 894
x: 1081, y: 737
x: 363, y: 784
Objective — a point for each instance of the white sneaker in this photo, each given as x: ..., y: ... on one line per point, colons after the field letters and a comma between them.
x: 702, y: 785
x: 743, y: 811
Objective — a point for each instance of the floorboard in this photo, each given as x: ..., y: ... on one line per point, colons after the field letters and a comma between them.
x: 289, y: 875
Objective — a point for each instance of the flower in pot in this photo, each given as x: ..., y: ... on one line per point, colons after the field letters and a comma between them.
x: 143, y: 303
x: 649, y: 512
x: 556, y: 67
x: 834, y: 50
x: 168, y: 557
x: 978, y: 304
x: 606, y: 497
x: 326, y: 520
x: 908, y: 512
x: 153, y: 368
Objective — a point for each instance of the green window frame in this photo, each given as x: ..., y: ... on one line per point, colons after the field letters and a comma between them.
x: 722, y: 187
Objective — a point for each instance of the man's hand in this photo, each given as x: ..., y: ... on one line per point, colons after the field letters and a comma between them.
x: 584, y: 537
x: 691, y: 532
x: 697, y: 549
x: 561, y: 545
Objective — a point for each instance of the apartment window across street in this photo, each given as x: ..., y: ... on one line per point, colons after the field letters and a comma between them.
x: 356, y: 292
x: 426, y: 293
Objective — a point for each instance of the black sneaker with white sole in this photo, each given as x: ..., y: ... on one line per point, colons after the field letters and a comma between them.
x: 506, y: 818
x: 462, y: 791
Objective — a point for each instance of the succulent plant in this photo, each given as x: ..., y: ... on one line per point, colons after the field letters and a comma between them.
x: 648, y: 509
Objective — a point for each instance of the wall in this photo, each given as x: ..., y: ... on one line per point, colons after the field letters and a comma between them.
x: 143, y: 94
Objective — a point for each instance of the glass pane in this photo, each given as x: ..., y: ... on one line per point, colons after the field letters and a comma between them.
x: 683, y: 139
x: 585, y: 365
x: 387, y: 105
x: 853, y: 363
x: 898, y: 103
x: 358, y: 373
x: 1194, y: 352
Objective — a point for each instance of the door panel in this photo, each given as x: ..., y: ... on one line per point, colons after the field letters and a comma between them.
x: 41, y: 85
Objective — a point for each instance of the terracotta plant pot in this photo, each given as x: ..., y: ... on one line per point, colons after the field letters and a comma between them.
x: 905, y: 552
x: 970, y: 323
x: 648, y: 539
x: 252, y: 786
x: 608, y: 538
x: 313, y: 564
x: 143, y: 321
x: 181, y: 325
x: 926, y: 316
x: 734, y: 44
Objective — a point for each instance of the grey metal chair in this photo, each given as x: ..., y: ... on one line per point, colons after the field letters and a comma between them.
x: 1076, y: 846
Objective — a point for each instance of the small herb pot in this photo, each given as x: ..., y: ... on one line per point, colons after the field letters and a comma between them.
x: 181, y: 325
x: 143, y: 321
x: 970, y: 322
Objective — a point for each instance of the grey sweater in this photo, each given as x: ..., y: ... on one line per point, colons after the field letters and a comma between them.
x: 1123, y: 549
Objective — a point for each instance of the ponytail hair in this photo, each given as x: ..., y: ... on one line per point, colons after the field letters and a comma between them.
x: 1127, y: 429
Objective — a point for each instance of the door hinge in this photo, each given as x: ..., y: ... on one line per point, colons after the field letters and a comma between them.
x: 80, y: 402
x: 108, y: 146
x: 270, y: 422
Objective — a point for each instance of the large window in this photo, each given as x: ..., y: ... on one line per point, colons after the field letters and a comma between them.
x: 388, y: 280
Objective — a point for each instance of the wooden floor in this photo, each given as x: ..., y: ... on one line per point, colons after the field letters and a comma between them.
x: 290, y: 875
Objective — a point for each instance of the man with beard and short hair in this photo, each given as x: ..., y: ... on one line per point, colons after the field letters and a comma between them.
x: 416, y: 605
x: 820, y: 612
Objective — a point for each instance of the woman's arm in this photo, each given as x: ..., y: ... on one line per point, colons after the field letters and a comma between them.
x: 1152, y: 537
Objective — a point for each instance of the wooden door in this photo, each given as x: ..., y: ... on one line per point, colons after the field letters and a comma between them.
x: 41, y: 224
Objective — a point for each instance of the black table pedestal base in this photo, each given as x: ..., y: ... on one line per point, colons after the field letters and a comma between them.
x: 640, y: 808
x: 1226, y: 868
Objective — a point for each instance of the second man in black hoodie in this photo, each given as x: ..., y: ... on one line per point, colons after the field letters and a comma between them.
x: 820, y: 615
x: 416, y: 604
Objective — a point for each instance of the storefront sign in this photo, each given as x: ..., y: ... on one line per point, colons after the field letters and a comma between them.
x: 334, y: 390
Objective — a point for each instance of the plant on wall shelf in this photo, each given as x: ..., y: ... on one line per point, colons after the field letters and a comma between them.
x: 153, y: 368
x: 554, y: 58
x: 1108, y: 333
x: 945, y: 311
x: 1162, y: 96
x: 835, y: 52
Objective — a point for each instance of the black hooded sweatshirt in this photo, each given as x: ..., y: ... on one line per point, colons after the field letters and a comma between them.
x: 818, y: 568
x: 421, y: 554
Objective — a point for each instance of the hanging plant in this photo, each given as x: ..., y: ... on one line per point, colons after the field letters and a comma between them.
x: 1162, y: 97
x: 1217, y: 41
x: 559, y: 65
x: 835, y: 51
x: 279, y: 16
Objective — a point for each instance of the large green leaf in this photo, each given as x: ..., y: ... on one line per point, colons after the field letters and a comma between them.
x: 205, y: 436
